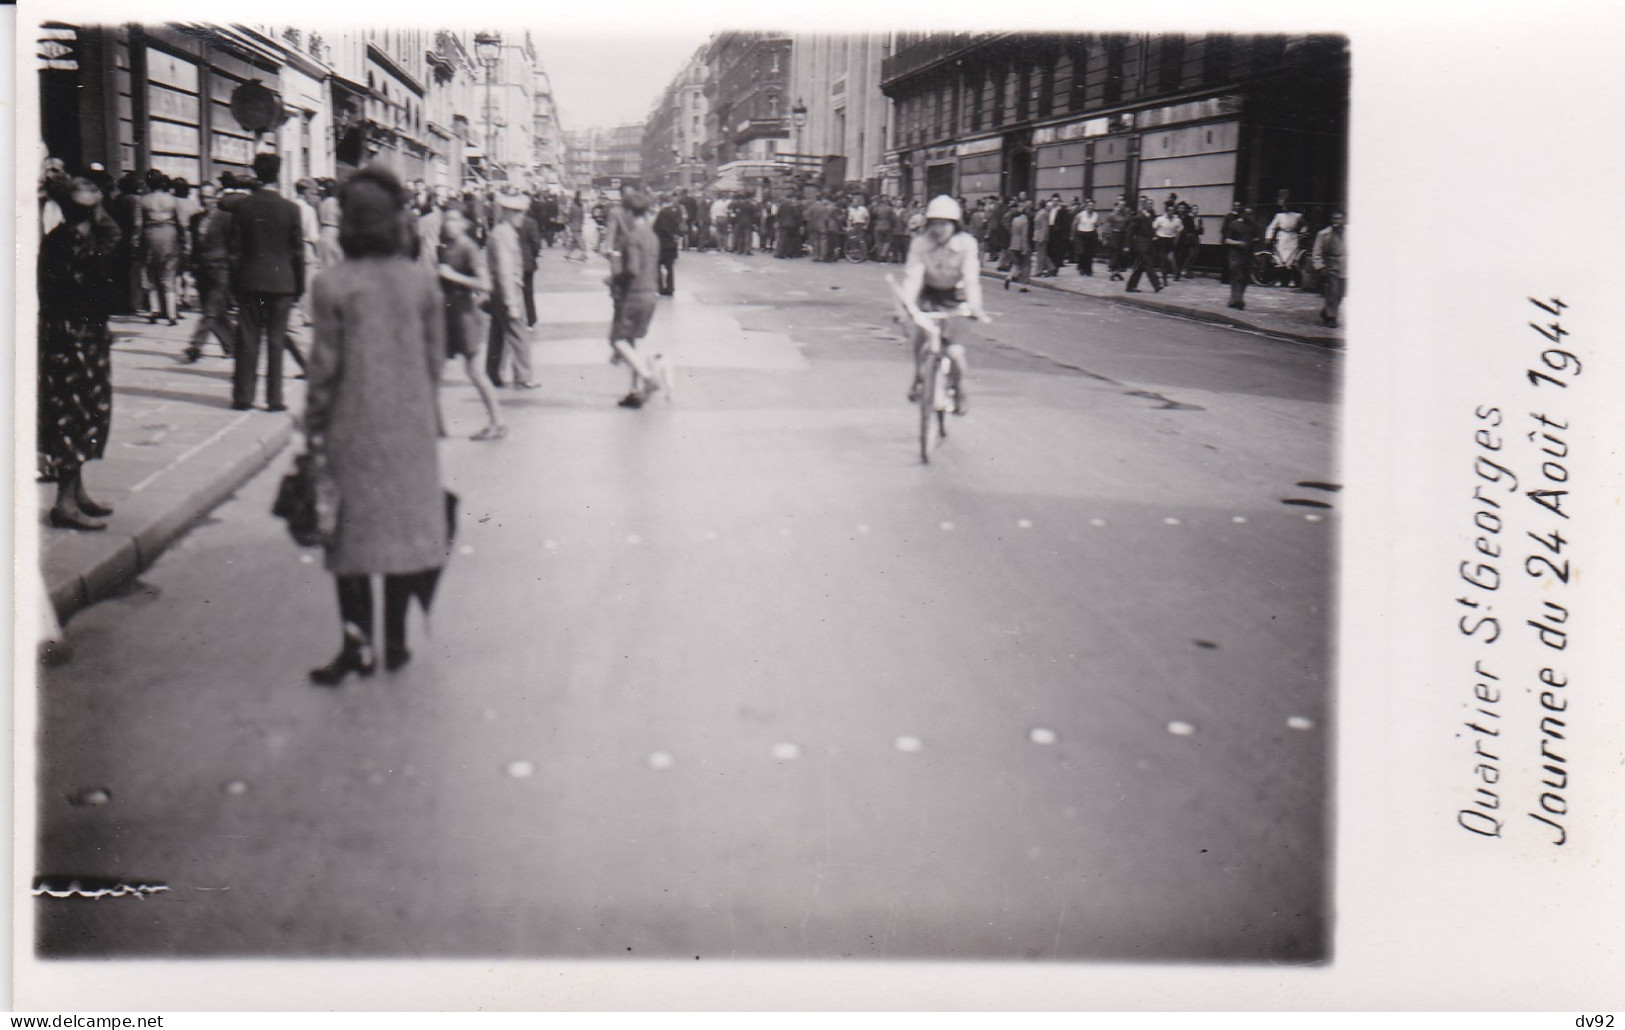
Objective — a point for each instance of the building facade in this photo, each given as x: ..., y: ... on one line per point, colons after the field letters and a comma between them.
x: 417, y: 101
x: 605, y: 158
x: 1216, y: 119
x: 621, y: 156
x: 548, y: 137
x: 748, y: 120
x: 580, y: 153
x: 836, y: 77
x: 674, y: 136
x: 132, y: 97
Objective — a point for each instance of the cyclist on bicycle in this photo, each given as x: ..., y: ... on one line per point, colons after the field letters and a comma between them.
x: 943, y: 271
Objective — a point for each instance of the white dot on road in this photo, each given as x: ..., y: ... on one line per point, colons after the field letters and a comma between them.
x: 661, y: 760
x: 1170, y: 522
x: 520, y: 769
x: 307, y: 559
x: 862, y: 528
x: 1181, y: 729
x: 633, y: 538
x: 551, y: 545
x: 1239, y: 519
x: 1042, y: 736
x: 1024, y: 523
x: 1312, y: 518
x: 786, y: 752
x: 908, y: 744
x: 1097, y: 522
x: 466, y: 549
x: 1298, y: 722
x: 236, y: 787
x: 946, y: 527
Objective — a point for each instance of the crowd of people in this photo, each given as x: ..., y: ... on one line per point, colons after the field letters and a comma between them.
x: 393, y: 279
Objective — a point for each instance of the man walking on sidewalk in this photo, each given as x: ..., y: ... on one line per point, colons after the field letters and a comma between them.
x: 212, y: 269
x: 1240, y: 235
x: 1116, y: 227
x: 1142, y: 241
x: 510, y: 346
x: 668, y: 229
x: 1330, y: 258
x: 267, y: 251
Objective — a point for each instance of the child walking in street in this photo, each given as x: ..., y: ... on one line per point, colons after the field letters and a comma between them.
x: 633, y: 285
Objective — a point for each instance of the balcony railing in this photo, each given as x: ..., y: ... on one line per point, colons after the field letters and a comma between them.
x: 926, y: 51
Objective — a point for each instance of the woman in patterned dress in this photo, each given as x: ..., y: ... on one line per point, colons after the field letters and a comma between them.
x: 75, y: 366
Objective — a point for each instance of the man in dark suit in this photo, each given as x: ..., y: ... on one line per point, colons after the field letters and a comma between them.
x: 1142, y: 241
x: 530, y: 247
x: 1240, y: 234
x: 266, y: 246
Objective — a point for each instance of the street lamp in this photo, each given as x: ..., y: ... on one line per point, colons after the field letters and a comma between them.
x: 488, y: 50
x: 798, y: 118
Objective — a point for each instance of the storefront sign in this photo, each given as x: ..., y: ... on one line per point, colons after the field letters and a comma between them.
x: 982, y: 146
x: 1071, y: 131
x: 59, y: 49
x: 163, y: 102
x: 939, y: 155
x: 174, y: 139
x: 231, y: 149
x: 257, y: 107
x: 171, y: 70
x: 1212, y: 107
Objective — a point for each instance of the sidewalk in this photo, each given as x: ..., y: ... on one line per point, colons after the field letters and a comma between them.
x: 176, y: 450
x: 1276, y: 310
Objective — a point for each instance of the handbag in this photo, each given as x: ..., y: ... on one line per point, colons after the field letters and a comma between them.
x: 307, y: 499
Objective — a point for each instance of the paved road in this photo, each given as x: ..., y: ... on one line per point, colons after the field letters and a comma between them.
x: 736, y: 676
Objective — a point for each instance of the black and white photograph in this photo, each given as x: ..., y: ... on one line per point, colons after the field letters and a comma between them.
x: 717, y: 494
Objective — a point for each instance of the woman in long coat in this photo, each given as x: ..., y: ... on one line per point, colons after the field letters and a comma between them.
x: 371, y: 412
x: 75, y: 362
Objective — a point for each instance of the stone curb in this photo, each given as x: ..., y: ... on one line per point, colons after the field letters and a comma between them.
x: 1201, y: 314
x: 130, y: 553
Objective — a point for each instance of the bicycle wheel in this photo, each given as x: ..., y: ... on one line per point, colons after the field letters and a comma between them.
x: 1263, y: 269
x: 931, y: 376
x: 857, y: 250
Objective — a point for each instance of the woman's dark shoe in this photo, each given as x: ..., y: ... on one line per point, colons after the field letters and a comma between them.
x: 395, y: 657
x: 74, y: 520
x: 93, y: 508
x: 355, y: 657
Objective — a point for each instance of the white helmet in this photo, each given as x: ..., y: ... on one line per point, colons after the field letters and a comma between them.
x: 944, y: 207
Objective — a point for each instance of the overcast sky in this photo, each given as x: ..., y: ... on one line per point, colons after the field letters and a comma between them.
x: 602, y: 80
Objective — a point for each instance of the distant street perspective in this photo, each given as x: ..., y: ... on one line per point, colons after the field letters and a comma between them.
x: 567, y: 580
